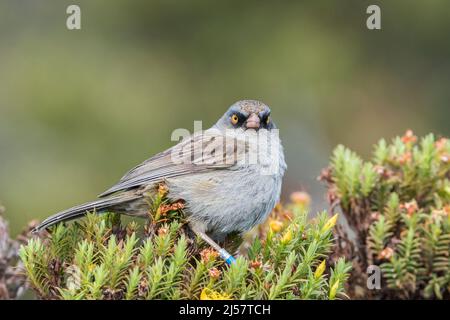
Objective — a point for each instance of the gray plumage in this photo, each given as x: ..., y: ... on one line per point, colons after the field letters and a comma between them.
x: 225, y: 190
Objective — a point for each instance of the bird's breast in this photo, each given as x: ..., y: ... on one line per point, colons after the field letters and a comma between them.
x: 234, y: 199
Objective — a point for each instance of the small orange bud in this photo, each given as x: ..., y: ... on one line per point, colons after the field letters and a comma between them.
x: 301, y: 198
x: 164, y: 208
x: 214, y: 273
x: 208, y: 255
x: 441, y: 144
x: 411, y: 207
x: 409, y: 137
x: 163, y: 231
x: 405, y: 158
x: 386, y: 254
x: 379, y: 169
x: 383, y: 172
x: 256, y: 264
x: 375, y: 215
x: 447, y: 209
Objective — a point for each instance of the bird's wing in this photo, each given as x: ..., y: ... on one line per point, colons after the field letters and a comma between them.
x: 201, y: 152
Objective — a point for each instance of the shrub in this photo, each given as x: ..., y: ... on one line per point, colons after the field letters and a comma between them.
x: 12, y: 281
x: 99, y: 258
x: 397, y: 207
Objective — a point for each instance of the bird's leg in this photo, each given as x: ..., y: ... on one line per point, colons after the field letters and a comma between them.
x: 224, y: 254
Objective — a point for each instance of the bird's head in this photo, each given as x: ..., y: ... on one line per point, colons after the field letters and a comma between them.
x: 247, y: 114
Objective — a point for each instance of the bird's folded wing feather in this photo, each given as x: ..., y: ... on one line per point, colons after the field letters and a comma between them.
x: 201, y: 152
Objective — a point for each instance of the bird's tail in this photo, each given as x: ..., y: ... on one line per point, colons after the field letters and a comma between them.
x: 80, y: 210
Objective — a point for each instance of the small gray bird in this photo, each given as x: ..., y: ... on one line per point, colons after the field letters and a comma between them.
x: 229, y: 176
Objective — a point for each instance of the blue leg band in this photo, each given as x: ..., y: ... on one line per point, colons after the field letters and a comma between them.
x: 229, y: 259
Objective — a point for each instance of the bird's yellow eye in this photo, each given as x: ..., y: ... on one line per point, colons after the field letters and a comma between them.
x: 268, y: 120
x: 234, y: 119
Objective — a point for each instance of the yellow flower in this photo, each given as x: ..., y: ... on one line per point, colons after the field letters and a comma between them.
x: 333, y: 290
x: 287, y: 237
x: 330, y: 223
x: 275, y: 225
x: 208, y: 294
x: 319, y: 270
x: 91, y: 267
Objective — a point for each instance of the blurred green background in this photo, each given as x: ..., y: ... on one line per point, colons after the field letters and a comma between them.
x: 79, y: 108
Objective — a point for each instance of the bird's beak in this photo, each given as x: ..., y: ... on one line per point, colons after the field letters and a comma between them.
x: 253, y: 122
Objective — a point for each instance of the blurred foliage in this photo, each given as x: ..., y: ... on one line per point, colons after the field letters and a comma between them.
x: 79, y: 108
x: 398, y: 207
x: 100, y: 259
x: 13, y: 282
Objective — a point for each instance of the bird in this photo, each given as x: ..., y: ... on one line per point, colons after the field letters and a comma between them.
x: 228, y: 176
